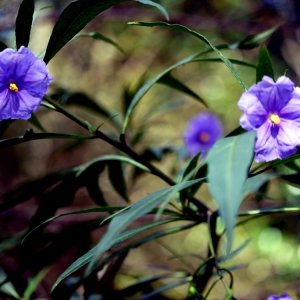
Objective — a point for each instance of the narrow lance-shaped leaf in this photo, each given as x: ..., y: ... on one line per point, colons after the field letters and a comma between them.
x: 30, y: 135
x: 161, y: 8
x: 228, y: 164
x: 181, y: 28
x: 74, y: 18
x: 264, y: 66
x: 138, y: 209
x: 253, y: 40
x: 24, y: 22
x: 99, y: 36
x: 174, y: 83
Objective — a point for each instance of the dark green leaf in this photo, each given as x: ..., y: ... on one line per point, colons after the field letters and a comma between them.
x: 74, y: 18
x: 187, y: 171
x: 264, y: 66
x: 34, y: 121
x: 236, y: 131
x: 2, y: 46
x: 253, y: 40
x: 181, y: 28
x: 116, y: 178
x: 228, y: 165
x: 174, y: 83
x: 82, y: 100
x: 24, y: 23
x: 162, y: 9
x: 99, y: 36
x: 138, y: 209
x: 30, y: 135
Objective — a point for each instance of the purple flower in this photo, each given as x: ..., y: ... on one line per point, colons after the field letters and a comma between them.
x: 202, y: 132
x: 24, y: 81
x: 273, y: 111
x: 283, y: 296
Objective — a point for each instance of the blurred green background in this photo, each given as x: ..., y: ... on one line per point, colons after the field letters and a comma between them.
x: 270, y: 263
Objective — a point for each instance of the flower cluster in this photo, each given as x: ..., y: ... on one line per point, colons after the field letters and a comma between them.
x: 202, y: 132
x: 24, y: 81
x: 273, y: 111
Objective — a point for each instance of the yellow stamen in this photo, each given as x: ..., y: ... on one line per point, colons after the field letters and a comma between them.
x: 13, y: 87
x: 204, y: 137
x: 274, y: 119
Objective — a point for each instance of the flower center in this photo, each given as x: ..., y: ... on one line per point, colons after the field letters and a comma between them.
x: 204, y: 137
x: 274, y: 119
x: 13, y: 87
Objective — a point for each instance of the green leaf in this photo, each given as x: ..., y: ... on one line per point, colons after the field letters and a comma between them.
x: 30, y: 135
x: 264, y: 66
x: 181, y: 28
x: 138, y: 209
x: 24, y: 22
x: 34, y: 121
x: 86, y: 258
x: 116, y: 178
x: 161, y: 8
x: 253, y: 40
x: 174, y: 83
x: 74, y: 18
x: 232, y: 60
x: 7, y: 287
x: 99, y: 36
x: 254, y: 183
x: 33, y: 283
x: 228, y: 165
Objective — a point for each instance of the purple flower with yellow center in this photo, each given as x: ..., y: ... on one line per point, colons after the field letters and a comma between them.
x: 283, y: 296
x: 202, y: 132
x: 273, y: 111
x: 24, y: 81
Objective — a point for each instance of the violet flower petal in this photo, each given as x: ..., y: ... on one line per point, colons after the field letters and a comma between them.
x: 24, y: 81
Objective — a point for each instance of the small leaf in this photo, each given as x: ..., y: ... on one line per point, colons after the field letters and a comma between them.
x: 24, y: 23
x: 161, y: 8
x: 138, y: 209
x: 254, y: 40
x: 264, y: 66
x: 34, y: 121
x: 228, y: 165
x: 99, y: 36
x: 174, y: 83
x: 74, y: 18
